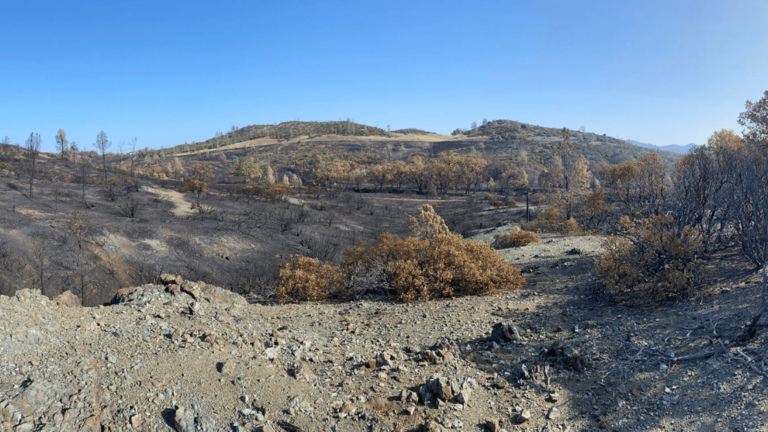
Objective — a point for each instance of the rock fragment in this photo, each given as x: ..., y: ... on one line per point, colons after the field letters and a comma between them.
x: 553, y: 413
x: 68, y: 299
x: 227, y: 367
x: 505, y: 332
x: 523, y: 417
x: 184, y: 420
x: 492, y: 425
x: 136, y: 421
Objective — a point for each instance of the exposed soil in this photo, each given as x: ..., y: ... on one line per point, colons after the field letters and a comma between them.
x: 194, y: 357
x: 182, y: 207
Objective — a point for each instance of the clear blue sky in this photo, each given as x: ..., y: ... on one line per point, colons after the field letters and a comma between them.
x: 167, y: 72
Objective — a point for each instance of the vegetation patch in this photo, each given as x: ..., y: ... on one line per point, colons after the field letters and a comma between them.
x: 514, y: 238
x: 651, y: 261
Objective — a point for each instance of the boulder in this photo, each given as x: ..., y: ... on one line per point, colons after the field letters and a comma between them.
x: 68, y: 299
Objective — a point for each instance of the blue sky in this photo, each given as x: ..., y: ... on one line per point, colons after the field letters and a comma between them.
x: 169, y: 72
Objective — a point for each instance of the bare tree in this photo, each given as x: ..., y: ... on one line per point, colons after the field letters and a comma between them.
x: 77, y: 225
x: 750, y: 216
x: 84, y: 173
x: 41, y: 265
x: 62, y: 143
x: 33, y: 152
x: 703, y: 184
x: 103, y: 144
x: 750, y: 196
x: 133, y: 160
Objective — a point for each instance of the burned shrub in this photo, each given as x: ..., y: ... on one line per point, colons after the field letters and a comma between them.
x: 652, y: 261
x: 421, y: 269
x: 514, y: 238
x: 547, y: 221
x: 304, y: 279
x: 569, y: 227
x: 437, y: 264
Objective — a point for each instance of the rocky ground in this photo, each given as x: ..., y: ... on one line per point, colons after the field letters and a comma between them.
x: 553, y: 356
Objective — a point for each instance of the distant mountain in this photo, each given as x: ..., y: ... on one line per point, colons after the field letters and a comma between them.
x: 677, y: 148
x: 540, y: 143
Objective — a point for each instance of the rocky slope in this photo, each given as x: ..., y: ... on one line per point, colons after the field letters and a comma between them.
x: 187, y: 356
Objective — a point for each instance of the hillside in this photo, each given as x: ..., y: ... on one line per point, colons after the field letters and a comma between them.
x: 496, y: 138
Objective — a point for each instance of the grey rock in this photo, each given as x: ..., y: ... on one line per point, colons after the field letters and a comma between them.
x: 523, y: 417
x: 492, y: 425
x: 505, y: 332
x: 184, y: 420
x: 553, y: 413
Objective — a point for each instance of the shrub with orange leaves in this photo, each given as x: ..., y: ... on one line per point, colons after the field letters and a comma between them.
x: 514, y: 238
x: 192, y: 185
x: 569, y: 227
x: 437, y: 264
x: 652, y: 261
x: 304, y: 279
x: 413, y: 269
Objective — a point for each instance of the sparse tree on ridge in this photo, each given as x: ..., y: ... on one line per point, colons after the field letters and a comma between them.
x: 62, y: 144
x: 7, y: 142
x: 33, y: 152
x: 103, y: 144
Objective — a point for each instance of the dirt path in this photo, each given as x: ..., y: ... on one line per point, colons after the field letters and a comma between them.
x: 182, y: 206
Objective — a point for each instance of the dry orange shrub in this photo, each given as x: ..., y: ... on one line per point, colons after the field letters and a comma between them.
x: 270, y: 193
x: 547, y: 221
x: 514, y: 238
x: 569, y: 227
x: 304, y: 279
x: 191, y: 185
x: 438, y: 264
x: 653, y: 261
x: 421, y: 269
x: 428, y: 223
